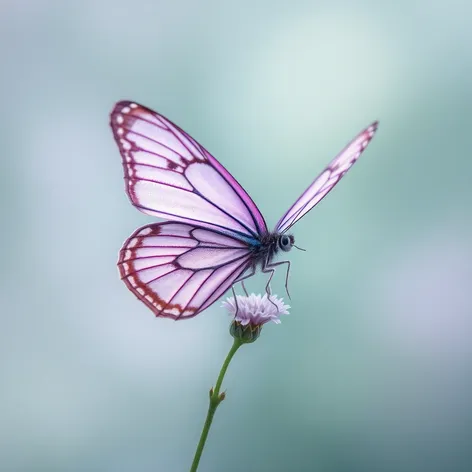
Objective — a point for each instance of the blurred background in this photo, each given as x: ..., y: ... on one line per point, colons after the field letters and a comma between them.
x: 372, y: 369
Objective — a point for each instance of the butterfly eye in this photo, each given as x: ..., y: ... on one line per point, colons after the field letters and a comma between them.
x: 285, y: 243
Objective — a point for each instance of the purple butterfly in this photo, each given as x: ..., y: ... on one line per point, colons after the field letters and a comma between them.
x: 216, y: 235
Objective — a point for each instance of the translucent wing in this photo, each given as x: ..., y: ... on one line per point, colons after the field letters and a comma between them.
x: 327, y: 179
x: 169, y: 175
x: 178, y: 269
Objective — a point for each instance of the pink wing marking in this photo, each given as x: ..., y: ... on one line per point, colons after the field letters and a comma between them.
x: 326, y: 181
x: 169, y: 175
x: 178, y: 269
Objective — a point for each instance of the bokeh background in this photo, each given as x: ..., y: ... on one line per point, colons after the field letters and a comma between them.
x: 372, y: 369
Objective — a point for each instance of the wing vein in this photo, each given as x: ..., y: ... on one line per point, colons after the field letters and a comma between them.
x: 195, y: 294
x: 176, y: 292
x: 157, y: 142
x: 152, y: 123
x: 137, y: 163
x: 210, y: 267
x: 224, y: 281
x: 237, y: 234
x: 197, y: 192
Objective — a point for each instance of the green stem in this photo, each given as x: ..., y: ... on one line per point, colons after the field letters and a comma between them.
x: 215, y: 400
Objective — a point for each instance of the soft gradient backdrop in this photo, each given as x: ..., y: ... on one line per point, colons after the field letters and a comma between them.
x: 372, y: 370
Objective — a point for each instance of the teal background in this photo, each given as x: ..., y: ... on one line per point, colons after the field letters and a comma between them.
x: 372, y: 369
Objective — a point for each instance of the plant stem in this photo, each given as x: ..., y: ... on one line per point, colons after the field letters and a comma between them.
x: 215, y: 400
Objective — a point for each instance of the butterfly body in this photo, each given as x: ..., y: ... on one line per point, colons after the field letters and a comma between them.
x: 215, y: 235
x: 270, y: 245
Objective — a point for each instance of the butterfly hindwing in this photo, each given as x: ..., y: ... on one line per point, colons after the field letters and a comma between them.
x: 169, y: 175
x: 178, y: 269
x: 326, y: 181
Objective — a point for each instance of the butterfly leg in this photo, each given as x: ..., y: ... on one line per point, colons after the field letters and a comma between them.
x: 244, y: 288
x: 268, y: 290
x: 235, y: 301
x: 241, y: 279
x: 271, y: 268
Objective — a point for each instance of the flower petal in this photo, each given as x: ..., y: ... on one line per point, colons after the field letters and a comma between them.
x: 256, y: 310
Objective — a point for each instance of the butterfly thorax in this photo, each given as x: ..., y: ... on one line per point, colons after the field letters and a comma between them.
x: 270, y: 245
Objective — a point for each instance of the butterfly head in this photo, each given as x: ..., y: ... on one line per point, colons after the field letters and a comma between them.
x: 286, y: 241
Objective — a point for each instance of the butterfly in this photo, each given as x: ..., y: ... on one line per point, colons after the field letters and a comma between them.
x: 215, y: 235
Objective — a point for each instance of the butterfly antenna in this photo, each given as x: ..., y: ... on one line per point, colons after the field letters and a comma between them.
x: 300, y: 248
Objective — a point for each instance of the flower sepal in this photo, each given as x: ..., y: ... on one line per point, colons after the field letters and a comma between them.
x: 245, y: 333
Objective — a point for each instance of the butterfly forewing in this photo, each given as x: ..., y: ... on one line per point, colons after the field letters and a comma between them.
x: 169, y: 175
x: 327, y: 179
x: 178, y: 269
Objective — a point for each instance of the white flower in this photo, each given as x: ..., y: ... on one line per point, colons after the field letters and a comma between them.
x: 256, y: 310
